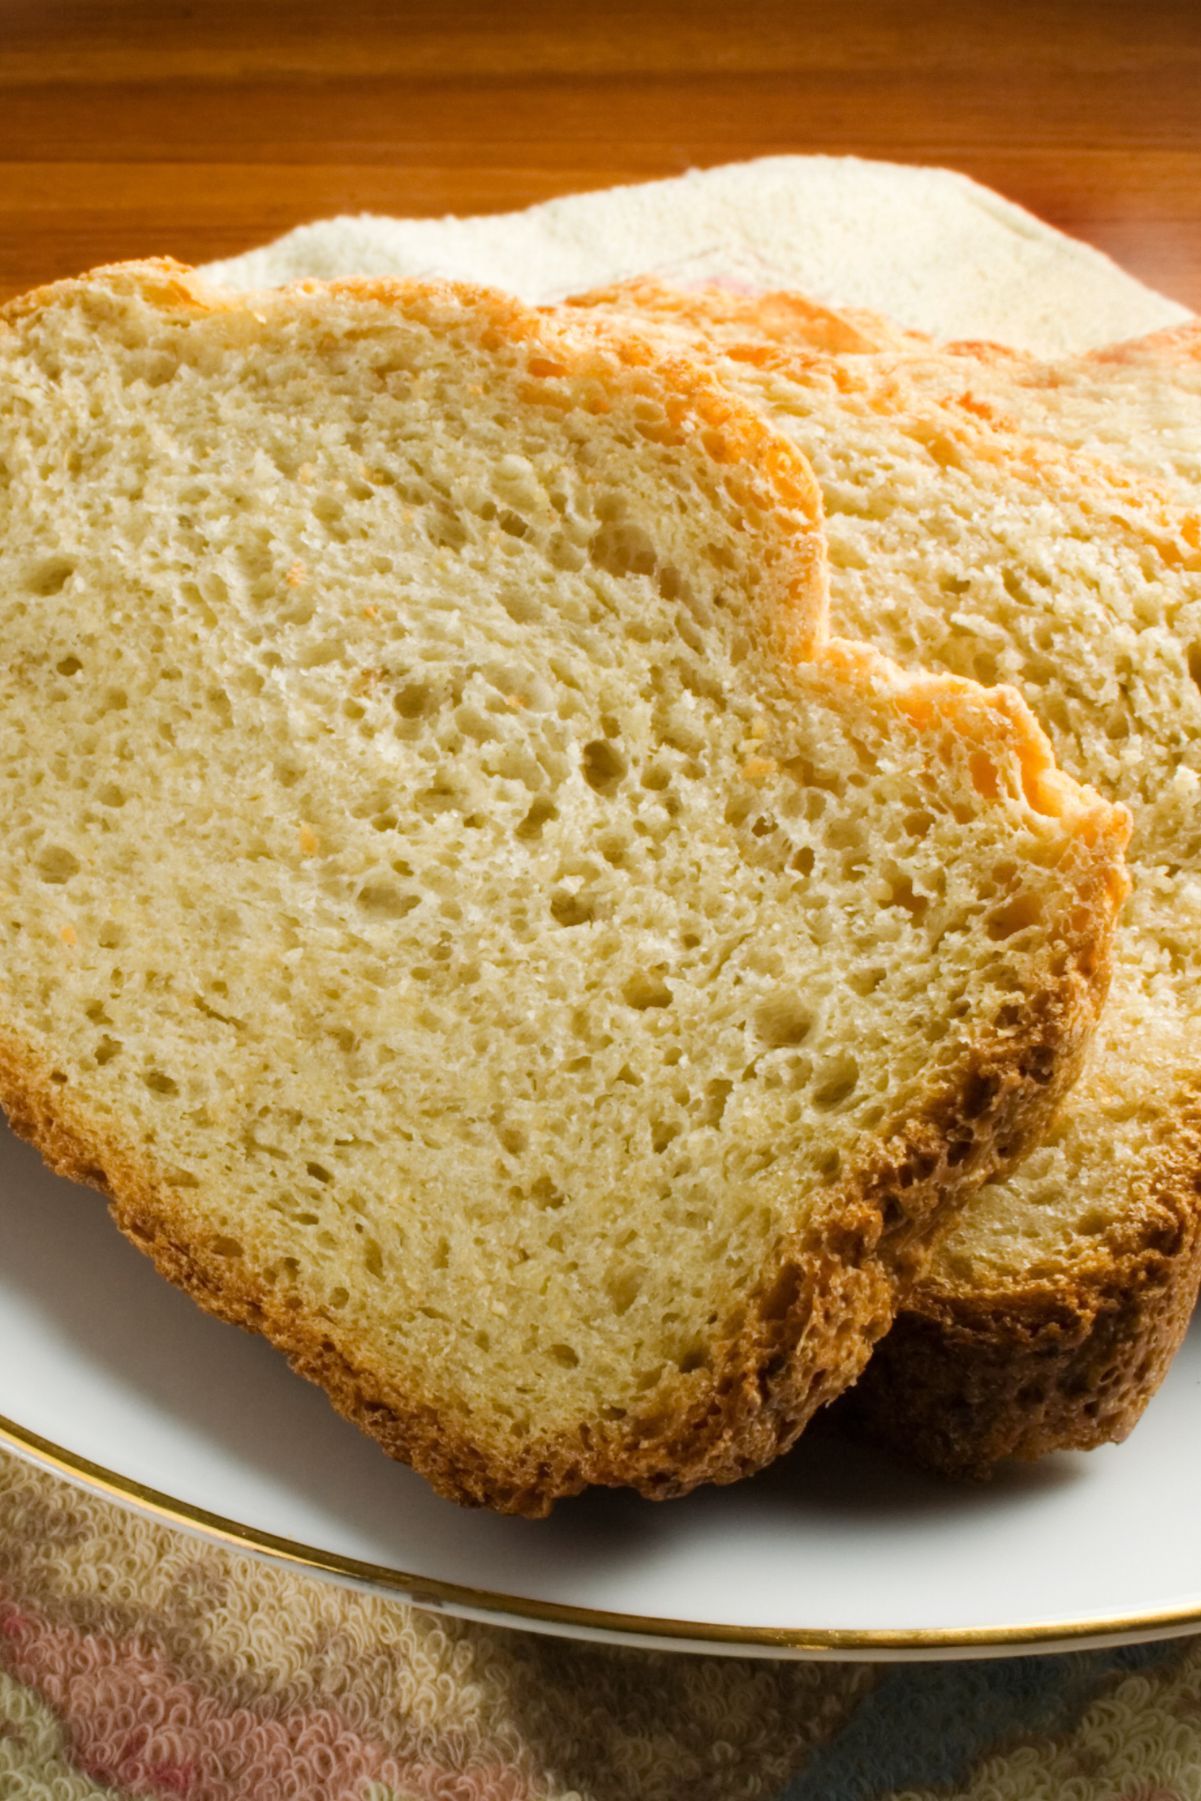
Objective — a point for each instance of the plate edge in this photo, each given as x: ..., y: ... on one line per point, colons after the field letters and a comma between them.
x: 523, y: 1612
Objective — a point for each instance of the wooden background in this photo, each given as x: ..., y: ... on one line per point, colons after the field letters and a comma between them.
x: 130, y: 127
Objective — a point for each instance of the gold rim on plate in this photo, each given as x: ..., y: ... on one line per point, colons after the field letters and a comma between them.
x: 495, y: 1608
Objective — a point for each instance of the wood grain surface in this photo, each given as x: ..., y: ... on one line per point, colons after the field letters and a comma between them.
x: 132, y: 127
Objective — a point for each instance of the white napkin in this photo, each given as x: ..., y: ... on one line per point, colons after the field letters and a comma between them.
x: 928, y: 247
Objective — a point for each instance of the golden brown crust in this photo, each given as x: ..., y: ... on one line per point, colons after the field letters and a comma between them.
x: 830, y: 1293
x: 956, y: 425
x: 776, y: 314
x: 969, y: 1378
x: 1176, y: 345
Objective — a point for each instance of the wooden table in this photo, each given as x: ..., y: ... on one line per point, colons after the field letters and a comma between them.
x: 129, y: 127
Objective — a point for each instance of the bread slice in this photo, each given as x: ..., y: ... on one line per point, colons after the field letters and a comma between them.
x: 1137, y: 403
x: 456, y: 900
x: 1054, y: 1304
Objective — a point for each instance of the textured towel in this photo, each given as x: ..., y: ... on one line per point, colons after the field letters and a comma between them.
x: 136, y: 1661
x: 930, y: 248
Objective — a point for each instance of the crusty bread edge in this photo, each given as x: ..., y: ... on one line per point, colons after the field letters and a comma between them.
x: 821, y: 1294
x: 1069, y: 1362
x: 781, y: 314
x: 1175, y: 346
x: 825, y: 1301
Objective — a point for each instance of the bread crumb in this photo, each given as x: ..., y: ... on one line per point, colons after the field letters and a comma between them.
x: 306, y: 473
x: 308, y: 840
x: 296, y: 574
x: 756, y: 768
x: 67, y: 934
x: 370, y: 612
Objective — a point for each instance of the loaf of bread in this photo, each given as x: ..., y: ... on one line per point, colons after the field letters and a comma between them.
x: 965, y: 536
x: 457, y: 901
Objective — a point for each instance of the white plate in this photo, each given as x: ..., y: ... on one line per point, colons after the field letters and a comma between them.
x: 116, y: 1380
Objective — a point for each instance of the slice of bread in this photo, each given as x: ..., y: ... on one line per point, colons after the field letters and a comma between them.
x: 1136, y: 403
x: 1055, y: 1303
x: 456, y: 900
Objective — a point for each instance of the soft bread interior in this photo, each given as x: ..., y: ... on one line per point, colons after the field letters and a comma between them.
x: 437, y: 843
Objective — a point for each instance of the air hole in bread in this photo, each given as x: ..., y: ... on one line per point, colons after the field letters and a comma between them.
x: 837, y: 1084
x: 56, y: 864
x: 646, y: 989
x: 782, y: 1020
x: 603, y: 765
x: 1017, y: 915
x: 50, y: 577
x: 572, y: 909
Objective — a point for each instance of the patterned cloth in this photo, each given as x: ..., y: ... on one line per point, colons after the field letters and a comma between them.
x: 136, y: 1661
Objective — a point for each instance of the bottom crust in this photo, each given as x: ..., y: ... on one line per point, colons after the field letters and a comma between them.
x: 966, y: 1380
